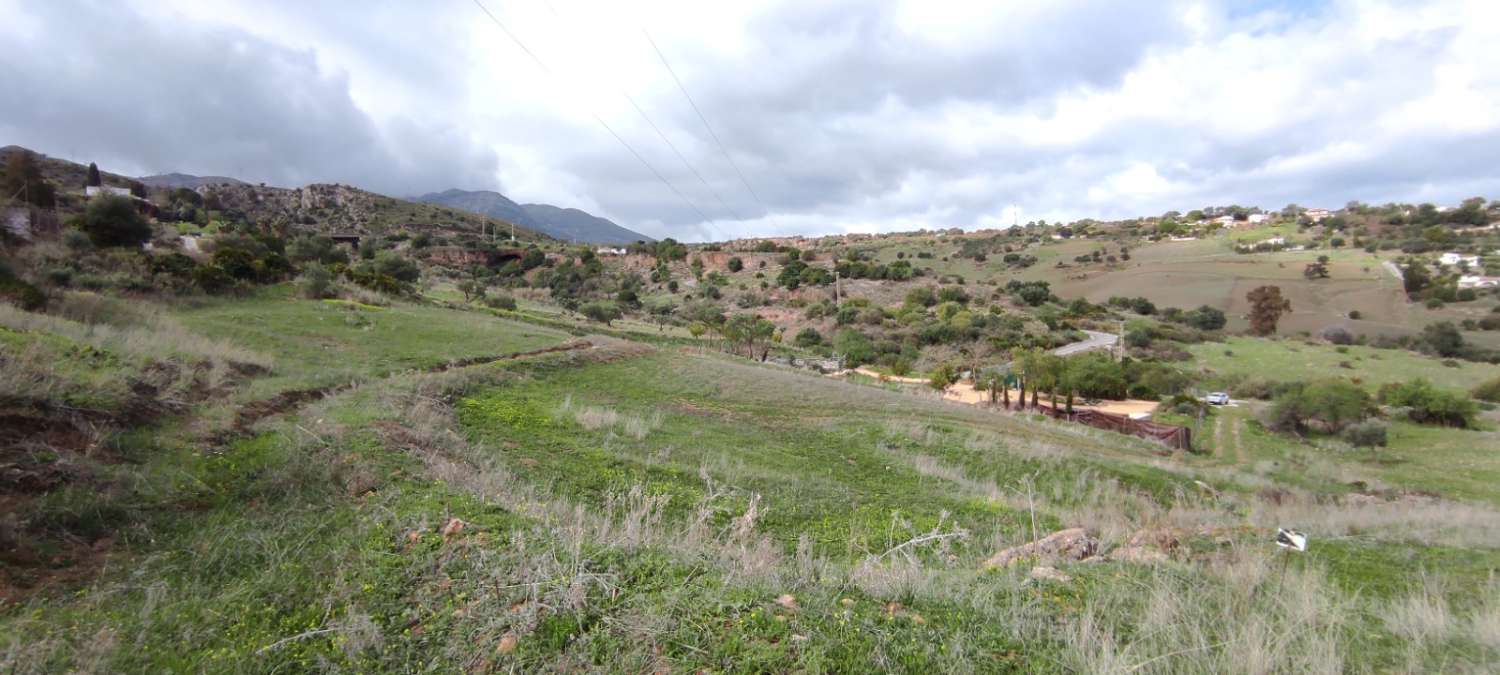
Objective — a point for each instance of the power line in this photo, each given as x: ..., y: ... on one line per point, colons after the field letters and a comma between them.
x: 673, y: 146
x: 597, y: 118
x: 709, y: 127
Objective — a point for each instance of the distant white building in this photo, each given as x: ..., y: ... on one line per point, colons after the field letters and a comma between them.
x: 1452, y: 259
x: 1478, y: 281
x: 1258, y: 218
x: 605, y: 250
x: 1316, y: 215
x: 1275, y: 241
x: 96, y: 190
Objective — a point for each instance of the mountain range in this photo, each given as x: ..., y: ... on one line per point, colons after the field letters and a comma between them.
x: 556, y: 222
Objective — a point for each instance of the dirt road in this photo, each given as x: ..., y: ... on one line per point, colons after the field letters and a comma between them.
x: 1096, y: 340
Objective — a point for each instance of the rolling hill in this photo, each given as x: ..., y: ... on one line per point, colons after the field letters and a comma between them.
x: 556, y: 222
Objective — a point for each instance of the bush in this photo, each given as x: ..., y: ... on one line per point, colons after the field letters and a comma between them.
x: 1367, y: 434
x: 112, y: 220
x: 504, y: 302
x: 808, y: 338
x: 855, y: 346
x: 1205, y: 318
x: 212, y: 279
x: 316, y: 282
x: 1426, y: 404
x: 601, y: 312
x: 1331, y: 405
x: 1488, y: 391
x: 1338, y: 335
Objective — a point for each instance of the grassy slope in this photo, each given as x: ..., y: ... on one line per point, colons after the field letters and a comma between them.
x: 1287, y: 360
x: 616, y: 531
x: 1206, y: 271
x: 318, y: 343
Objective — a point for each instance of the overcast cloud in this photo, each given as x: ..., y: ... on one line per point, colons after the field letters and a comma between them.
x: 842, y: 116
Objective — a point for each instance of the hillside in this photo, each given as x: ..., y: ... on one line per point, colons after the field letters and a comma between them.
x: 558, y: 223
x: 345, y: 209
x: 182, y: 180
x: 317, y: 208
x: 65, y: 175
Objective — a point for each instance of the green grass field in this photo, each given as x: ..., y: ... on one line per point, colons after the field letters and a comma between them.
x: 321, y: 342
x: 1288, y: 360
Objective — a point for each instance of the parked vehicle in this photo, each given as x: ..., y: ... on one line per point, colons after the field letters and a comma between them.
x: 1218, y: 398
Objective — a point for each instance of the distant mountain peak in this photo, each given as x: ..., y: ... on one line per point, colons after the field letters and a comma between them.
x: 567, y: 224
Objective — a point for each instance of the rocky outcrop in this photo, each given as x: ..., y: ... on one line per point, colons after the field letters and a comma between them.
x: 1070, y: 544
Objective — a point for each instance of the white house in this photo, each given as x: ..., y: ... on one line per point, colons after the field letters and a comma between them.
x: 1275, y: 241
x: 604, y: 250
x: 1258, y: 218
x: 1477, y: 281
x: 1316, y: 215
x: 1452, y: 259
x: 96, y: 190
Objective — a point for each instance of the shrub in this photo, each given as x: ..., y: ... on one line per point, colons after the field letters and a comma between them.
x: 112, y: 220
x: 1205, y: 318
x: 316, y: 282
x: 1329, y: 404
x: 1366, y: 434
x: 602, y: 312
x: 1338, y: 335
x: 212, y: 279
x: 77, y: 240
x: 942, y: 377
x: 808, y: 338
x: 855, y: 346
x: 504, y: 302
x: 1138, y: 337
x: 1426, y: 404
x: 1488, y: 391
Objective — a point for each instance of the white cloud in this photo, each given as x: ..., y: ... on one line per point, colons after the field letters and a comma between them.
x: 843, y: 116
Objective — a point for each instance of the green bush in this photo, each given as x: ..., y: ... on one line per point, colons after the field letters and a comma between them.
x: 316, y: 282
x: 1329, y: 405
x: 1488, y: 391
x: 112, y: 220
x: 212, y: 279
x: 808, y: 338
x: 1426, y: 404
x: 602, y: 312
x: 504, y: 302
x: 1366, y: 434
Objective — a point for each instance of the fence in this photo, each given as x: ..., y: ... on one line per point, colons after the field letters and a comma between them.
x: 1172, y: 436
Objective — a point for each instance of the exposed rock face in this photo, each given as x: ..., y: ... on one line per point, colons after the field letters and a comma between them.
x: 1071, y: 544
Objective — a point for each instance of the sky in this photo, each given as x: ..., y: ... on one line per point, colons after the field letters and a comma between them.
x: 816, y: 117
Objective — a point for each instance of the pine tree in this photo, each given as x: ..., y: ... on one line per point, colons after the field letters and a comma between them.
x: 93, y: 180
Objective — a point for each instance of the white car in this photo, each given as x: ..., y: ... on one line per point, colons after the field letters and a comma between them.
x: 1218, y: 398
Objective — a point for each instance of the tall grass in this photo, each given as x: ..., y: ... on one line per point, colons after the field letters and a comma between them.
x: 135, y: 330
